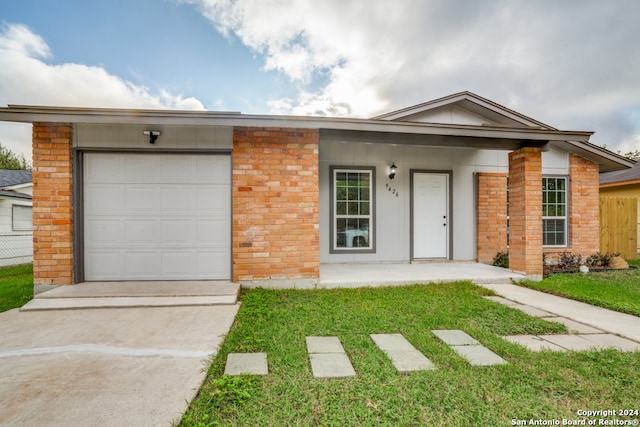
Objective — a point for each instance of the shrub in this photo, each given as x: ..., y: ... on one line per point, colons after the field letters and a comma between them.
x: 602, y: 260
x: 501, y: 259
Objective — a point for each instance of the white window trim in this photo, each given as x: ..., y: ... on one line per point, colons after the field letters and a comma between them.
x: 371, y: 170
x: 13, y: 218
x: 566, y: 212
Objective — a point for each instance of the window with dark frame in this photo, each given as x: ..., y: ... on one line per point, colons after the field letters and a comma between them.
x: 352, y: 209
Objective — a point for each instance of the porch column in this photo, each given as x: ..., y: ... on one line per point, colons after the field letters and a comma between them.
x: 525, y: 211
x: 52, y: 205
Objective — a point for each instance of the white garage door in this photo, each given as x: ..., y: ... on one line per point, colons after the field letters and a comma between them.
x: 156, y: 216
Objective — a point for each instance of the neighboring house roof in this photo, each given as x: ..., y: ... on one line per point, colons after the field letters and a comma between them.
x: 13, y: 180
x: 621, y: 177
x: 494, y: 127
x: 14, y: 177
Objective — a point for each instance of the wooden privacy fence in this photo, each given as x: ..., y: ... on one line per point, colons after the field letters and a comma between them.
x: 619, y: 226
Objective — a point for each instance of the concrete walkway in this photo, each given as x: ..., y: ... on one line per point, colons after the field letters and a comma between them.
x: 610, y: 321
x: 108, y: 366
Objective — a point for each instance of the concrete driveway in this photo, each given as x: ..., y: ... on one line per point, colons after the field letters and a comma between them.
x: 106, y: 366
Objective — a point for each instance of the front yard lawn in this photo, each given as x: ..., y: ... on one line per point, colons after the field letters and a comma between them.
x: 616, y: 290
x: 16, y: 286
x: 532, y: 386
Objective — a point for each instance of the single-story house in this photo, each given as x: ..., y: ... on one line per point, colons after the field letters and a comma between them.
x: 16, y: 228
x: 192, y: 195
x: 624, y: 183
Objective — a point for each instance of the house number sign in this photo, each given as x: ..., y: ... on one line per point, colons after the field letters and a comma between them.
x: 392, y: 190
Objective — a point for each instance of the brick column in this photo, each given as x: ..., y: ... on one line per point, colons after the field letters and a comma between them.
x: 491, y: 215
x: 525, y: 211
x: 584, y: 220
x: 52, y: 204
x: 276, y: 216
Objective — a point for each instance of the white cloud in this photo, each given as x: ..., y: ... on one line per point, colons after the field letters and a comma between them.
x: 25, y: 78
x: 572, y: 64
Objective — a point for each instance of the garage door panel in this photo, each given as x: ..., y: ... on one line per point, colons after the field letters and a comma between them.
x: 103, y: 198
x: 212, y: 263
x: 182, y: 199
x: 140, y: 231
x: 214, y: 233
x: 105, y: 265
x: 179, y: 232
x: 163, y: 217
x: 102, y: 231
x: 140, y: 199
x: 214, y: 168
x: 139, y: 169
x: 178, y: 263
x: 108, y: 166
x: 178, y: 170
x: 140, y: 265
x: 214, y: 198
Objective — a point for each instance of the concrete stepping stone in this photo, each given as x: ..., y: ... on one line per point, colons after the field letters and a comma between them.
x: 246, y: 363
x: 478, y: 355
x: 455, y: 337
x: 470, y: 349
x: 575, y: 327
x: 404, y: 356
x: 533, y: 343
x: 328, y: 358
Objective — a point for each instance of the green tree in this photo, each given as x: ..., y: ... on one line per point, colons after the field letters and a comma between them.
x: 11, y: 160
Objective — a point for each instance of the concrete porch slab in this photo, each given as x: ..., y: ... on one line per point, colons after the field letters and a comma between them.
x: 401, y: 274
x: 246, y: 363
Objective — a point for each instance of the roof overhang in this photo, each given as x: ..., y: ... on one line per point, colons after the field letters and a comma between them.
x: 345, y: 129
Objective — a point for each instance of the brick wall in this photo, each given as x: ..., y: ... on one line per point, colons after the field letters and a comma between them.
x: 52, y: 204
x: 275, y: 204
x: 491, y: 215
x: 525, y: 211
x: 585, y: 202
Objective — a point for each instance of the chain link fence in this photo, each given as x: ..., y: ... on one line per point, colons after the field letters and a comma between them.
x: 16, y: 248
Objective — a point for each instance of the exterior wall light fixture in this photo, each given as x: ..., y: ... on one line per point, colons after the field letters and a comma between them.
x: 393, y: 170
x: 152, y: 134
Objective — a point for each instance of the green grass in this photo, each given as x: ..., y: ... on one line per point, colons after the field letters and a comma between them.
x: 16, y: 286
x: 533, y: 385
x: 616, y: 290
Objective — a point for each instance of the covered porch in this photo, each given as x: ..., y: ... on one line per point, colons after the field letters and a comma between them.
x: 353, y: 275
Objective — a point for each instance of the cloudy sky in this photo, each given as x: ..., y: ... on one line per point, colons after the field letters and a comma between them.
x: 573, y: 64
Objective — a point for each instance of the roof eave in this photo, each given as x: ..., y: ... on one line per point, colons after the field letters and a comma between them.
x: 31, y: 114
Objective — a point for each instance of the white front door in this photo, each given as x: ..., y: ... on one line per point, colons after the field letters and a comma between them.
x: 430, y: 216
